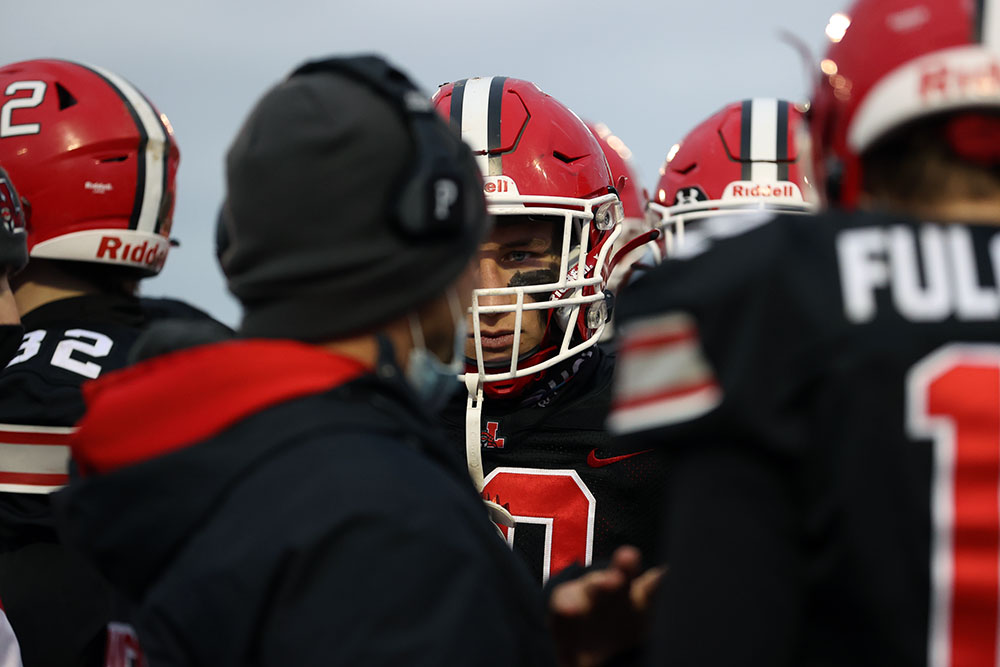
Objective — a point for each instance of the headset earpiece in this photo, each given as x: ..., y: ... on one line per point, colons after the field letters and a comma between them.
x: 434, y: 192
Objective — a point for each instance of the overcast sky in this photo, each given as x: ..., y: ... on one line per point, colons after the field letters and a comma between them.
x: 649, y: 69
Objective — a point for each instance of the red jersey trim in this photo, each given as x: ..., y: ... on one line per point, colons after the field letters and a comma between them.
x: 169, y: 402
x: 669, y: 394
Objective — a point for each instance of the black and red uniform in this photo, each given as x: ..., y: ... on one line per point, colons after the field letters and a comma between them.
x: 305, y: 511
x: 827, y: 390
x: 575, y: 494
x: 59, y: 606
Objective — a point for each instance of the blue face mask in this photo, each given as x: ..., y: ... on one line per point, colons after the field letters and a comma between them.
x: 433, y: 380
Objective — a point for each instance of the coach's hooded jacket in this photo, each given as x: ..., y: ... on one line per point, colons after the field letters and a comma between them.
x: 270, y: 503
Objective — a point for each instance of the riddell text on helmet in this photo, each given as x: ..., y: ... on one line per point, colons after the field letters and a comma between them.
x: 785, y: 191
x: 766, y: 190
x: 146, y: 254
x: 980, y: 80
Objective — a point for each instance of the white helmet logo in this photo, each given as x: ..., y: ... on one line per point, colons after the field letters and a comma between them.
x: 445, y: 195
x: 689, y: 196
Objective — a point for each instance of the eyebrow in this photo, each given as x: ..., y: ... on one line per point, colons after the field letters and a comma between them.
x: 526, y: 241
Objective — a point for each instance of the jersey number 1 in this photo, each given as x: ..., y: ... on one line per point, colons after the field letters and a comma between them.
x: 954, y: 399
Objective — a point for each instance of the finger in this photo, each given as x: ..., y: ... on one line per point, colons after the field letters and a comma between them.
x: 644, y: 587
x: 607, y: 582
x: 628, y: 560
x: 579, y: 596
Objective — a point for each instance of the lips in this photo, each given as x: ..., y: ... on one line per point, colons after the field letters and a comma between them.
x: 497, y: 340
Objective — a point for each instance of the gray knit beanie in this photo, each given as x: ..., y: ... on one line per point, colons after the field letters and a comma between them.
x: 309, y: 236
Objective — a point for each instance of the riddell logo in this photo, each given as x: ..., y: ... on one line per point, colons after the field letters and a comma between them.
x: 783, y: 191
x: 145, y: 253
x: 98, y: 188
x: 499, y: 185
x: 764, y: 191
x: 974, y: 80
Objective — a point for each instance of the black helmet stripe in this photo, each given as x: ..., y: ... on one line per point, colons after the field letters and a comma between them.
x: 475, y: 110
x: 167, y: 147
x: 475, y: 123
x: 986, y: 23
x: 140, y: 176
x: 760, y: 138
x: 151, y: 177
x: 494, y: 142
x: 782, y: 153
x: 977, y: 21
x: 457, y: 99
x: 746, y: 124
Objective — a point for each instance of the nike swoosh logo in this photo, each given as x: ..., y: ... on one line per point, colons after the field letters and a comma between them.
x: 595, y: 462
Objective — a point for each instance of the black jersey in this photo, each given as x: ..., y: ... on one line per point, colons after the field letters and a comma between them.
x: 59, y: 606
x: 575, y: 495
x: 828, y: 391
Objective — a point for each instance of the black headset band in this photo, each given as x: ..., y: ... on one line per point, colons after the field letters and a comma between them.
x: 434, y: 192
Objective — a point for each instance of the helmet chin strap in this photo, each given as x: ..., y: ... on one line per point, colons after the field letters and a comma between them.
x: 474, y: 448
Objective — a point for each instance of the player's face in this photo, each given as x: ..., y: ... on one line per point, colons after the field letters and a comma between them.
x: 521, y: 251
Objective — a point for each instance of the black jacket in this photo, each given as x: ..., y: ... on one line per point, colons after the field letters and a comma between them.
x: 282, y: 505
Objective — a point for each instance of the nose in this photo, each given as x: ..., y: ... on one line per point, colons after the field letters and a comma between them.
x: 490, y: 274
x: 493, y: 276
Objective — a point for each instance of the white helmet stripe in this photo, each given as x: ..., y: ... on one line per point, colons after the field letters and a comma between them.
x: 475, y: 120
x: 764, y: 140
x: 155, y: 152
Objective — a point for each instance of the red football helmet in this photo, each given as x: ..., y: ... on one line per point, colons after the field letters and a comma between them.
x: 633, y: 197
x: 539, y: 159
x: 743, y: 158
x: 895, y: 61
x: 94, y: 161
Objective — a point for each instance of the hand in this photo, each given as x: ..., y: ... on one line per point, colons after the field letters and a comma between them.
x: 8, y: 308
x: 603, y: 612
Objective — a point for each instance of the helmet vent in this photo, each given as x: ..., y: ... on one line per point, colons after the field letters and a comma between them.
x: 66, y: 99
x: 565, y: 158
x: 687, y: 169
x: 116, y: 158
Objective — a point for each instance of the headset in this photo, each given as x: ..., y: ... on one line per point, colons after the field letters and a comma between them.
x: 439, y: 191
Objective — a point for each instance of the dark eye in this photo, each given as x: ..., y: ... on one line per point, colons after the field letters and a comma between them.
x: 519, y: 255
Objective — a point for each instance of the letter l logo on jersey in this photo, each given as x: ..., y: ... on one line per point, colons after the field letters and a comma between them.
x: 489, y: 438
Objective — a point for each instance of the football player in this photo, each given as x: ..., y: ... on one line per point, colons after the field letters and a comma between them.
x: 828, y: 388
x: 742, y: 159
x: 539, y: 387
x: 95, y: 163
